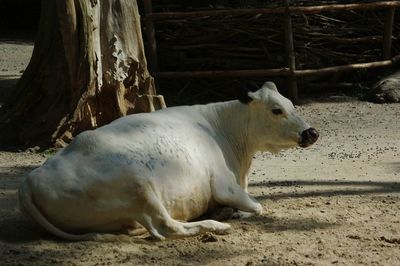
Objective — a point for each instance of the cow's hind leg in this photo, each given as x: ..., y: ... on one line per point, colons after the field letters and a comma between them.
x: 161, y: 225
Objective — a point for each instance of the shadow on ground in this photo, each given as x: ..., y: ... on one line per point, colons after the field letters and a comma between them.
x: 274, y: 224
x: 13, y: 225
x: 7, y: 84
x: 341, y: 188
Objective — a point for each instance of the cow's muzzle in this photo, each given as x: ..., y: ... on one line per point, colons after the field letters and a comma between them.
x: 308, y: 137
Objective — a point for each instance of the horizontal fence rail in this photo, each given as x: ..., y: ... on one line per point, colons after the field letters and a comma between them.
x: 276, y: 72
x: 273, y: 10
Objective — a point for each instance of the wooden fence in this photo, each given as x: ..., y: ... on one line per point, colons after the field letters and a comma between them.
x: 287, y: 10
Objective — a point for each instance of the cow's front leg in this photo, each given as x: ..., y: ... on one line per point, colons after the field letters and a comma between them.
x: 228, y: 193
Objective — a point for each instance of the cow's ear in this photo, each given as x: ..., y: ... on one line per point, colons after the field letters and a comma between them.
x: 262, y: 95
x: 269, y: 85
x: 255, y: 96
x: 244, y: 92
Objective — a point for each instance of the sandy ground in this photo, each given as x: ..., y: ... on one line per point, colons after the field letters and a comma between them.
x: 337, y: 202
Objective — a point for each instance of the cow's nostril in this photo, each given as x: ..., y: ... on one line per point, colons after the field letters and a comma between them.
x: 313, y: 133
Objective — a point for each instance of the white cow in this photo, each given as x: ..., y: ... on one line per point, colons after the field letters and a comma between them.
x: 162, y: 169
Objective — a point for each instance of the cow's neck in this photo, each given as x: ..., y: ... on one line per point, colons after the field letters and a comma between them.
x: 231, y: 121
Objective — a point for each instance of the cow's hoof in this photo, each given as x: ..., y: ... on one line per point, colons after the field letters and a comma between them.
x: 259, y: 209
x: 224, y: 229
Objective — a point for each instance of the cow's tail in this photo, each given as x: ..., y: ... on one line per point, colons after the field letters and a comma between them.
x: 29, y: 208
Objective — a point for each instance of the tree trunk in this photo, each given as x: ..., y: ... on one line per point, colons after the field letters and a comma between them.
x: 88, y: 68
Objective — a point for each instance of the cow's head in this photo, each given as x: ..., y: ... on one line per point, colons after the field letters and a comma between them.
x: 274, y: 124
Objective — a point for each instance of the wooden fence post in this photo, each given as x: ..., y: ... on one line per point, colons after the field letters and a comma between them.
x: 388, y: 31
x: 291, y: 59
x: 151, y: 38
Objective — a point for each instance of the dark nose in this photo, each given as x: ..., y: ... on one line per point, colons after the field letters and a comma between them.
x: 308, y: 137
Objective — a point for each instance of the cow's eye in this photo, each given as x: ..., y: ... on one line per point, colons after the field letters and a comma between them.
x: 277, y: 111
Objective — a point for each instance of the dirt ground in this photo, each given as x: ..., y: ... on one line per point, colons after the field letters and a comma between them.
x: 337, y: 202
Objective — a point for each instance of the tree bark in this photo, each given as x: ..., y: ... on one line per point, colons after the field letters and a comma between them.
x: 88, y: 68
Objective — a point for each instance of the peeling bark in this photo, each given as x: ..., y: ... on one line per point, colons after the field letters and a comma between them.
x: 88, y: 68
